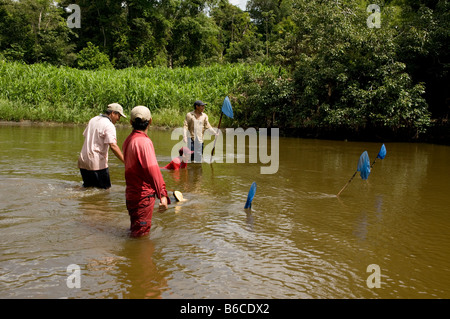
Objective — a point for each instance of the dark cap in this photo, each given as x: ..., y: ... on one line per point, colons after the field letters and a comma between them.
x: 200, y: 103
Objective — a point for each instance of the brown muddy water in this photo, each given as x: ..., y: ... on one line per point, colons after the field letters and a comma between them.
x: 298, y: 241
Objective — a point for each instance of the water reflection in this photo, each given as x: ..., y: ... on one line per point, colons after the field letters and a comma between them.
x: 138, y: 272
x: 250, y: 219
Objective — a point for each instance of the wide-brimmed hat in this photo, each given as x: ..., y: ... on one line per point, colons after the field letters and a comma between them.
x: 116, y: 107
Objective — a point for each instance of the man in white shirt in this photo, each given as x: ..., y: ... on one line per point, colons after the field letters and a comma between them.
x: 99, y: 136
x: 195, y: 125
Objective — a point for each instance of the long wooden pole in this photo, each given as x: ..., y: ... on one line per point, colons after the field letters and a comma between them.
x: 347, y: 184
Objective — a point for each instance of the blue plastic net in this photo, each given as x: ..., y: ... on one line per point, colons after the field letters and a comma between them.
x: 250, y: 196
x: 226, y: 107
x: 382, y: 152
x: 364, y: 165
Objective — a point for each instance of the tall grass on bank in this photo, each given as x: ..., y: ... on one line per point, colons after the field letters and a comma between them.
x: 41, y: 92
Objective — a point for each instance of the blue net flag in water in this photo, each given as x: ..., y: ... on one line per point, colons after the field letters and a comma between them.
x: 382, y: 152
x: 250, y: 196
x: 226, y: 107
x: 364, y: 165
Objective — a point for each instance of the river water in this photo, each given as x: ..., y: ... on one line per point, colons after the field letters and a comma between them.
x: 299, y: 240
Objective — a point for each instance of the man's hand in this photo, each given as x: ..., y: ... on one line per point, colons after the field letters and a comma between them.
x: 116, y: 150
x: 163, y: 204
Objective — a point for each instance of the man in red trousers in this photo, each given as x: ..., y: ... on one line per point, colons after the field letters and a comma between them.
x: 144, y: 182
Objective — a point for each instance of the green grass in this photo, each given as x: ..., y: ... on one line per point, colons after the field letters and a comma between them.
x: 41, y: 92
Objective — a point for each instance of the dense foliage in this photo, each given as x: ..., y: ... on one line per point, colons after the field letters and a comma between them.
x: 329, y: 69
x: 63, y: 94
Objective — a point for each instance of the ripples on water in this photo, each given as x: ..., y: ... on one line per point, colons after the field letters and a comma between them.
x: 298, y: 241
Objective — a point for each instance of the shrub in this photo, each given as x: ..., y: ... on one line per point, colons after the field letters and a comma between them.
x: 91, y: 58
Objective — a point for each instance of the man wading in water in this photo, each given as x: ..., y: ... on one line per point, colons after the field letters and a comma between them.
x: 142, y: 175
x: 99, y: 136
x: 195, y: 125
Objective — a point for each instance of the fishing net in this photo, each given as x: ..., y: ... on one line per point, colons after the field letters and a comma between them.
x: 382, y: 152
x: 364, y: 165
x: 226, y: 108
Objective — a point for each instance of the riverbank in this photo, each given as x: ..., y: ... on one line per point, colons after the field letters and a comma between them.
x: 436, y: 134
x: 121, y: 124
x: 50, y: 94
x: 25, y: 113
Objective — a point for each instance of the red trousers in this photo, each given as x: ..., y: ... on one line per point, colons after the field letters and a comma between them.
x: 141, y: 215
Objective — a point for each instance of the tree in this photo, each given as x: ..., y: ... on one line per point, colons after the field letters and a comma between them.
x: 237, y: 34
x: 349, y: 75
x: 344, y: 74
x: 35, y: 31
x: 16, y: 42
x: 194, y: 40
x: 267, y: 14
x: 423, y: 47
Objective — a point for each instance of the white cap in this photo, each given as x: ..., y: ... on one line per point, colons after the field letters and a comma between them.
x: 141, y: 112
